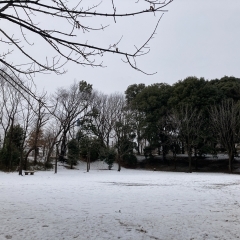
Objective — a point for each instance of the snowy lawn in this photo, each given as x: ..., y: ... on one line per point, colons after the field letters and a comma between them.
x: 131, y: 204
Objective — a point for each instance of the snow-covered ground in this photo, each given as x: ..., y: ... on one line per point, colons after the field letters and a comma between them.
x: 131, y: 204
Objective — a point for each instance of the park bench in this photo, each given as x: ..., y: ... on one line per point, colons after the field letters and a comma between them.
x: 29, y: 172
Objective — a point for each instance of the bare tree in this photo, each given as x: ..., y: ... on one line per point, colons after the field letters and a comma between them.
x: 27, y: 117
x: 226, y: 123
x: 10, y: 102
x: 15, y: 110
x: 69, y: 104
x: 64, y: 22
x: 41, y: 116
x: 105, y: 108
x: 187, y: 122
x: 109, y: 122
x: 173, y: 127
x: 51, y: 138
x: 123, y: 128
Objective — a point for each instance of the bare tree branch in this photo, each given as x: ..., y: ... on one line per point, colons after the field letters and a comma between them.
x: 27, y: 14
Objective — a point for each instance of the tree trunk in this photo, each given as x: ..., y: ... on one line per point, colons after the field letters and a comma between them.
x: 44, y: 149
x: 87, y: 165
x: 26, y: 158
x: 63, y: 147
x: 183, y: 150
x: 231, y: 157
x: 164, y: 150
x: 56, y: 159
x: 20, y: 165
x: 189, y: 160
x: 175, y: 159
x: 10, y: 146
x: 21, y: 158
x: 88, y: 161
x: 196, y: 159
x: 35, y: 156
x: 25, y: 164
x: 138, y: 148
x: 49, y: 153
x: 119, y: 164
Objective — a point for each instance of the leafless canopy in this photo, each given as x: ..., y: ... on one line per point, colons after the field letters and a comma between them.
x: 60, y: 25
x: 225, y: 123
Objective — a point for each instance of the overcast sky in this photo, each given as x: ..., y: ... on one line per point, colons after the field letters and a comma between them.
x: 194, y: 38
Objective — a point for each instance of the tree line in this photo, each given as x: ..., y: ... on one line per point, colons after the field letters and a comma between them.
x: 193, y: 116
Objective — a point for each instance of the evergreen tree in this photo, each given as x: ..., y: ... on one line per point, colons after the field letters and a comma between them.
x: 73, y: 152
x: 12, y: 149
x: 108, y: 155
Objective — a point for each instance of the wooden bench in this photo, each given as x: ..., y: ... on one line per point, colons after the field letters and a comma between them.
x: 29, y: 172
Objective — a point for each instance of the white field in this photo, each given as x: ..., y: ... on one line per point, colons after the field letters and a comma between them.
x: 131, y: 204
